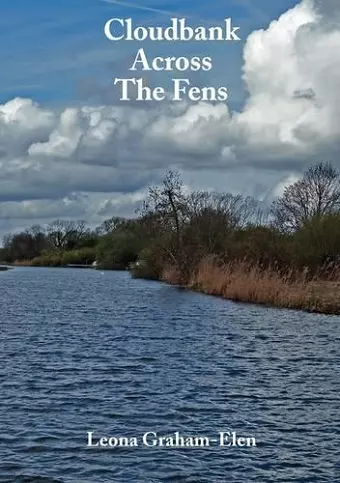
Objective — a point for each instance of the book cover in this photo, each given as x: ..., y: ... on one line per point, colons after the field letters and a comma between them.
x: 170, y: 241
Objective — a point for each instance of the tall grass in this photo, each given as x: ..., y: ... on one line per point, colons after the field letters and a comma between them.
x: 244, y: 282
x: 22, y: 263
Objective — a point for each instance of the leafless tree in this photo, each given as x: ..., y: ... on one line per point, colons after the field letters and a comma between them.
x: 62, y: 232
x: 164, y: 215
x: 59, y: 231
x: 110, y: 225
x: 169, y: 202
x: 235, y: 210
x: 315, y: 194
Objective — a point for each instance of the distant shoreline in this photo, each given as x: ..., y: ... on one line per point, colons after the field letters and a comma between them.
x: 241, y: 283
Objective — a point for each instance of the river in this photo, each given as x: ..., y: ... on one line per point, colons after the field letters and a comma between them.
x: 89, y: 351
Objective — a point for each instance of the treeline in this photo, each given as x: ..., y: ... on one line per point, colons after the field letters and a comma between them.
x: 176, y: 231
x: 113, y: 244
x: 299, y: 232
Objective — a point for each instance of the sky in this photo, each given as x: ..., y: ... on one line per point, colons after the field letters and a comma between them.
x: 69, y: 148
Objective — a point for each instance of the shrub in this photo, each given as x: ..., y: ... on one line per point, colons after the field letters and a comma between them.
x: 118, y: 249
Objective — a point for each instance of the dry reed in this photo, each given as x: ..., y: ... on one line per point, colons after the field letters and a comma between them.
x: 244, y: 282
x: 22, y: 263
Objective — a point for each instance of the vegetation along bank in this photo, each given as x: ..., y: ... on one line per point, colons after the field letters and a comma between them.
x: 222, y: 244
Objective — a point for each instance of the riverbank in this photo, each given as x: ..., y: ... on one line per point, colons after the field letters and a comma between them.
x: 252, y: 284
x: 92, y: 266
x: 245, y: 283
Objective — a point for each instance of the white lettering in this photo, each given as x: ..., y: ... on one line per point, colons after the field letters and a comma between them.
x: 90, y: 439
x: 141, y: 59
x: 125, y: 89
x: 231, y: 35
x: 177, y: 31
x: 107, y: 28
x: 178, y: 89
x: 150, y: 439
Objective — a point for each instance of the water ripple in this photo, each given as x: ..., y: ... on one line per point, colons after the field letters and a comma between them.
x: 85, y: 352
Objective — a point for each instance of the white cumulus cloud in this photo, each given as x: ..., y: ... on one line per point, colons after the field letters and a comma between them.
x: 291, y: 119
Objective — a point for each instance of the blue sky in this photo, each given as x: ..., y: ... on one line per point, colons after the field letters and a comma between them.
x: 55, y: 51
x: 70, y: 149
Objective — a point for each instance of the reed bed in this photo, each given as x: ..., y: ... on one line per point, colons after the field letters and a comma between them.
x: 22, y: 263
x: 244, y: 282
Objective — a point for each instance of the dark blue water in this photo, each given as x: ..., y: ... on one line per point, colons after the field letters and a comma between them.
x: 88, y: 351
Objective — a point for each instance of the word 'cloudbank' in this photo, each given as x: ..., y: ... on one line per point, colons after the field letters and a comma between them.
x: 123, y: 29
x: 117, y: 29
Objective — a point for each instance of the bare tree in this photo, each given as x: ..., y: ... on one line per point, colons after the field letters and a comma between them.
x: 315, y: 194
x: 110, y: 225
x: 61, y: 233
x: 213, y: 217
x: 36, y: 230
x: 164, y: 213
x: 169, y: 202
x: 58, y: 232
x: 236, y: 210
x: 80, y: 230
